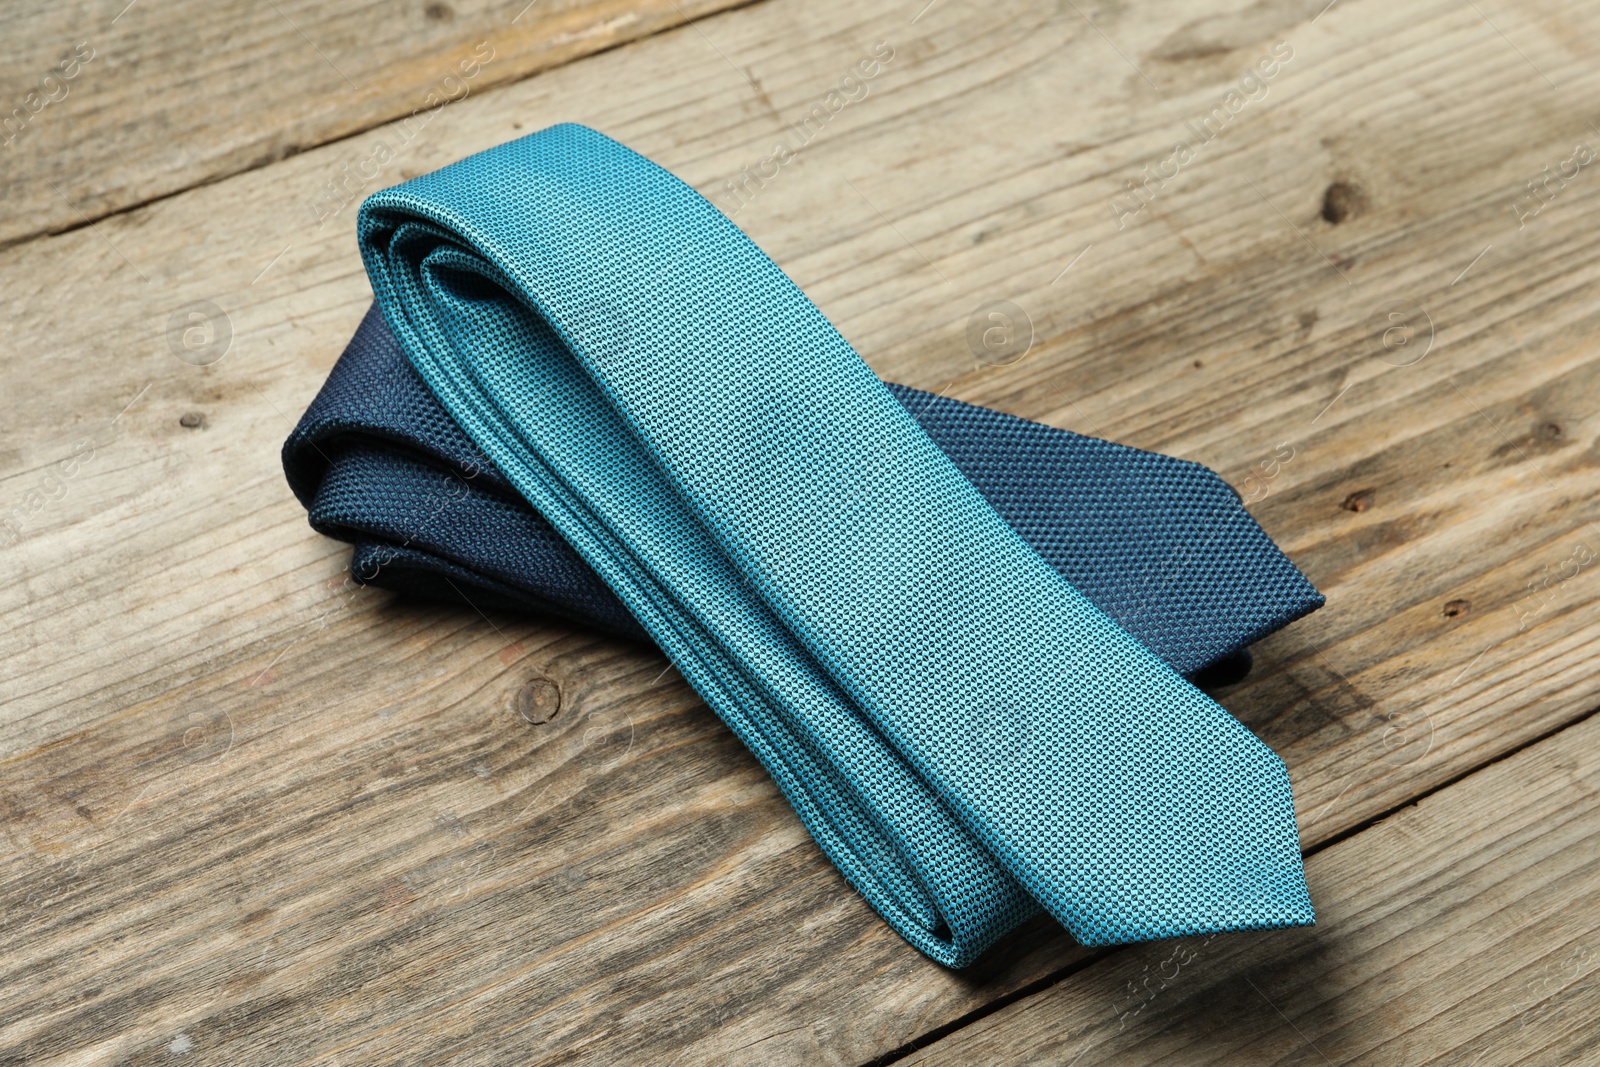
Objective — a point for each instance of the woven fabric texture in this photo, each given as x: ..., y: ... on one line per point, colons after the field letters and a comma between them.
x: 1161, y: 545
x: 962, y: 731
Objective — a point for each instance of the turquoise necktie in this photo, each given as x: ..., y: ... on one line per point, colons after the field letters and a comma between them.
x: 962, y: 732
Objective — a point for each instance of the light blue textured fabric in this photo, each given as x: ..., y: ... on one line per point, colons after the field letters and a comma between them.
x: 1161, y: 545
x: 961, y: 731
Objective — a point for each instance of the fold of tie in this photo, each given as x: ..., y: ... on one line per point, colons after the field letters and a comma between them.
x: 1161, y: 545
x: 962, y: 731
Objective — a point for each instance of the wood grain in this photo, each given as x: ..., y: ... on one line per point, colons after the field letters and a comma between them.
x: 268, y: 818
x: 1460, y: 931
x: 112, y: 104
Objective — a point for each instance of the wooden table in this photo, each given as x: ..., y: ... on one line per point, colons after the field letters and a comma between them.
x: 254, y: 814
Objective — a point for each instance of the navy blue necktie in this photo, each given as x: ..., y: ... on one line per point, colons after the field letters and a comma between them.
x: 1161, y: 545
x: 962, y: 730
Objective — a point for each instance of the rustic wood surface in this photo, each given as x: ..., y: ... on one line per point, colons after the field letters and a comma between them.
x: 159, y: 97
x: 254, y: 814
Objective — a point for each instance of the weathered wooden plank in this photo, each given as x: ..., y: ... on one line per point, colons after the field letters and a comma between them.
x: 1463, y: 930
x: 347, y: 881
x: 107, y: 105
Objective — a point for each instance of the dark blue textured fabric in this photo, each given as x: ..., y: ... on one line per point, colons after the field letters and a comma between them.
x: 964, y: 733
x: 1161, y: 545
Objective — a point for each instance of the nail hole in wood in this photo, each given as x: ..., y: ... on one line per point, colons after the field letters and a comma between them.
x: 1358, y: 501
x: 1342, y: 201
x: 538, y: 701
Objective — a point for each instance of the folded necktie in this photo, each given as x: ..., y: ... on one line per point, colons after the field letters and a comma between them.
x: 964, y: 733
x: 1161, y: 545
